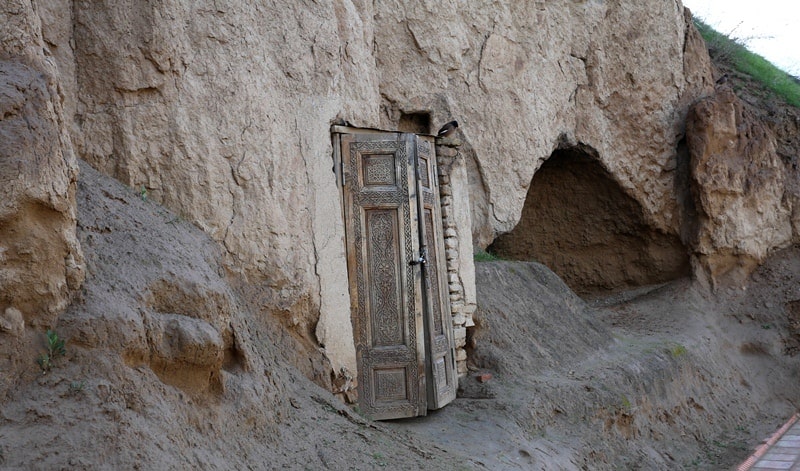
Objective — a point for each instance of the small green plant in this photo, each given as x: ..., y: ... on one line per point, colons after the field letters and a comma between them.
x: 481, y: 255
x: 143, y: 193
x: 44, y: 362
x: 626, y: 403
x: 379, y: 459
x: 55, y: 348
x: 360, y: 413
x: 677, y: 351
x: 76, y: 386
x: 743, y: 429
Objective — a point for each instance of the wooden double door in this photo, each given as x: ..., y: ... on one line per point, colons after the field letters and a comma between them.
x: 397, y: 273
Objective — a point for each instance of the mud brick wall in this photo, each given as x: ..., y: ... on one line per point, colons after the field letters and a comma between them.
x: 456, y: 222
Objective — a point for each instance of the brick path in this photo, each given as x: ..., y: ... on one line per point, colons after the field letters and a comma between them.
x: 780, y: 452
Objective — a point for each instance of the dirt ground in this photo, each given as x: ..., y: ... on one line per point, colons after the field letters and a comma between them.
x: 120, y: 399
x: 666, y: 377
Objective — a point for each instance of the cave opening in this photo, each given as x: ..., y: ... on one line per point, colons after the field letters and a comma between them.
x: 579, y: 222
x: 416, y: 123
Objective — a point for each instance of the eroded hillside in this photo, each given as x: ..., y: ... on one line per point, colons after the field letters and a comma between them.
x: 168, y: 366
x: 194, y: 297
x: 666, y: 377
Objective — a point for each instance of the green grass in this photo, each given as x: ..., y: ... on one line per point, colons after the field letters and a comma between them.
x: 481, y: 255
x: 677, y: 350
x: 626, y: 404
x: 733, y: 51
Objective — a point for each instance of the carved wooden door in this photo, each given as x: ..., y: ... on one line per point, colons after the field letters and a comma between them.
x: 439, y: 352
x: 395, y: 261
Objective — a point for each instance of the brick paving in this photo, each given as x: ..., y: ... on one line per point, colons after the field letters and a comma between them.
x: 780, y: 452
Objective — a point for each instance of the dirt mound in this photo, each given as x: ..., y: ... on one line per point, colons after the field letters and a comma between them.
x: 664, y: 377
x: 166, y: 366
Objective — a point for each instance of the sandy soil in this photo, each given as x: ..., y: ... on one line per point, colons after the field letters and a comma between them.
x: 111, y: 403
x: 669, y: 377
x: 664, y: 377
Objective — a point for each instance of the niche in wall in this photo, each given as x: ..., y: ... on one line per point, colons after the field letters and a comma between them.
x: 578, y: 221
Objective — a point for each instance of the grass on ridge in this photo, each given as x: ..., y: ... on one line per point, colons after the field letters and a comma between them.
x: 733, y: 51
x: 480, y: 255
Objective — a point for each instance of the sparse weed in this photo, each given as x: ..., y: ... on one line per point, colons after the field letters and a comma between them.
x: 55, y: 348
x: 743, y: 429
x: 77, y: 386
x: 481, y: 255
x: 44, y: 362
x: 143, y: 193
x: 380, y: 460
x: 358, y: 411
x: 677, y: 351
x: 626, y: 404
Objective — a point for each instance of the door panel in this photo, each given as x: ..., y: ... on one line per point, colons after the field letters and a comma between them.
x: 385, y: 289
x: 381, y: 232
x: 440, y: 351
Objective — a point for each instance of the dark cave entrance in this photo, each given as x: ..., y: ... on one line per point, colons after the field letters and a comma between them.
x: 578, y: 221
x: 417, y: 123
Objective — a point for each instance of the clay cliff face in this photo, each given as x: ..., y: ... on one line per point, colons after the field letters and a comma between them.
x: 739, y: 184
x: 41, y: 264
x: 525, y: 77
x: 222, y: 113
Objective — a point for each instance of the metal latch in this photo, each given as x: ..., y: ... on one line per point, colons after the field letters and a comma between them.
x: 422, y: 260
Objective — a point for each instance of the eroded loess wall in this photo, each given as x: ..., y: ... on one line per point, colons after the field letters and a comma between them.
x: 222, y: 112
x: 739, y: 184
x: 616, y: 76
x: 41, y: 264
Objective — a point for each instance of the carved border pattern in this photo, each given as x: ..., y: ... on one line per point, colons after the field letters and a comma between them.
x: 369, y: 355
